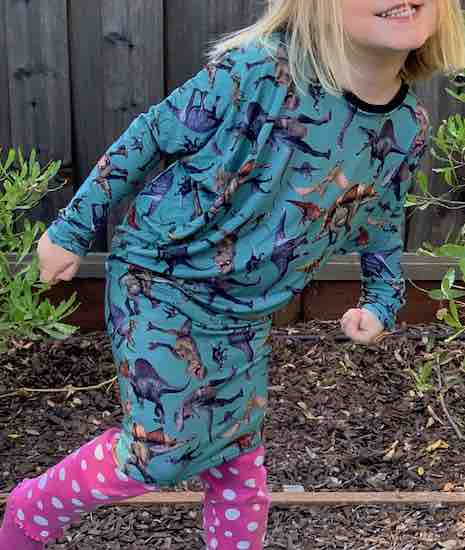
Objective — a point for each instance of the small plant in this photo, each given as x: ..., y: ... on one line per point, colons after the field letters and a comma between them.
x: 23, y: 313
x: 422, y: 377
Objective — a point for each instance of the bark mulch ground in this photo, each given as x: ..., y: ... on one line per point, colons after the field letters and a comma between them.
x: 342, y: 417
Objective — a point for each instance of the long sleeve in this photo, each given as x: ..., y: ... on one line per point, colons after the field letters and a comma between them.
x: 383, y: 289
x: 382, y: 278
x: 181, y: 124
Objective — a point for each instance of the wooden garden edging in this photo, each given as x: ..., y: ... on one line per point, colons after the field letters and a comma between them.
x: 338, y: 268
x: 303, y: 498
x: 335, y: 288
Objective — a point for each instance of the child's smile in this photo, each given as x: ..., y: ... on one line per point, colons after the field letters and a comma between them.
x: 401, y: 14
x: 390, y: 26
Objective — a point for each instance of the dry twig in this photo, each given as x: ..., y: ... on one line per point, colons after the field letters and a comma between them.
x: 69, y: 388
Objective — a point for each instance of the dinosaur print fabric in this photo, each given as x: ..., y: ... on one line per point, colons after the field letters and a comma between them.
x: 193, y: 385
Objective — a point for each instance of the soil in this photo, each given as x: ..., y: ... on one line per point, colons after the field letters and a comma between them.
x: 342, y: 417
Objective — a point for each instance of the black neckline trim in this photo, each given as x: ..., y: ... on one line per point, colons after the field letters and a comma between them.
x: 386, y: 108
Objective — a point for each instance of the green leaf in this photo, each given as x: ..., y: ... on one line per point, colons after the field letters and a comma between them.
x: 10, y: 159
x: 422, y: 181
x: 451, y: 322
x: 454, y: 312
x: 448, y: 281
x: 45, y: 309
x: 65, y: 328
x: 54, y: 333
x: 410, y: 200
x: 451, y: 251
x: 439, y: 295
x: 62, y: 309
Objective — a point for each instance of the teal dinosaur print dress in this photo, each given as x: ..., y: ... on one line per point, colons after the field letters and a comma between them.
x: 269, y: 182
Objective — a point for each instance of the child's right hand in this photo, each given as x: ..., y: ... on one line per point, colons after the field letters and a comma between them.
x: 56, y: 263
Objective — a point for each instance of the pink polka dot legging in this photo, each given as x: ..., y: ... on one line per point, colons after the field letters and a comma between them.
x: 235, y: 507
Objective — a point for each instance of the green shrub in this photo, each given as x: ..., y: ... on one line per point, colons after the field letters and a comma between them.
x: 23, y: 313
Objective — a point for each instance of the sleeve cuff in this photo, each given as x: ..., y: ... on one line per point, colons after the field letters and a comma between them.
x: 67, y: 239
x: 384, y: 318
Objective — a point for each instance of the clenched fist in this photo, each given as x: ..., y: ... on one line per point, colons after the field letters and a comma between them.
x: 56, y: 263
x: 362, y: 326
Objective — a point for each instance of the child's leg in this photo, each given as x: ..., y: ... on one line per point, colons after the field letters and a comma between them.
x: 236, y: 503
x: 40, y: 508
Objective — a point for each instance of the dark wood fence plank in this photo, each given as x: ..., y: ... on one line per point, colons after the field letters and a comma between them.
x: 87, y: 86
x: 39, y: 94
x: 201, y: 23
x: 5, y: 133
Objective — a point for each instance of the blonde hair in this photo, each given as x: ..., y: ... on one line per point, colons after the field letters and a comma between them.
x: 316, y: 40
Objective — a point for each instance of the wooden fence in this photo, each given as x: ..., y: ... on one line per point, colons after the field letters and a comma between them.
x: 73, y: 74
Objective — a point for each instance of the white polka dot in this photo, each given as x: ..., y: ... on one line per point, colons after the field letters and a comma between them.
x: 243, y: 545
x: 232, y: 513
x: 216, y: 473
x: 216, y: 522
x: 62, y: 474
x: 40, y: 505
x: 98, y: 494
x: 234, y: 471
x: 249, y: 482
x: 259, y: 460
x: 51, y: 473
x: 75, y: 486
x: 101, y: 477
x: 122, y: 476
x: 108, y: 446
x: 211, y: 529
x: 228, y: 534
x: 229, y: 494
x: 57, y: 503
x: 214, y: 543
x: 20, y: 514
x: 29, y: 494
x: 44, y: 534
x: 64, y: 519
x: 40, y: 520
x: 99, y: 452
x: 83, y: 464
x: 42, y: 482
x: 260, y: 493
x: 253, y: 526
x: 214, y: 512
x: 76, y: 502
x: 256, y: 507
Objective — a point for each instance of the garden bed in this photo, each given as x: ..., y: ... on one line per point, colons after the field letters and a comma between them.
x: 342, y: 417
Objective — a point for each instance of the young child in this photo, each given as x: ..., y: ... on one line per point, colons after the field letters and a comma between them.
x: 296, y: 141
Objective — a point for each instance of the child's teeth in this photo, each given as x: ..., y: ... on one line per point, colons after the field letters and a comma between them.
x: 399, y: 13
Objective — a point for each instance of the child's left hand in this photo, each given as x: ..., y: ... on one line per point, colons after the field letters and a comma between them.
x: 362, y: 326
